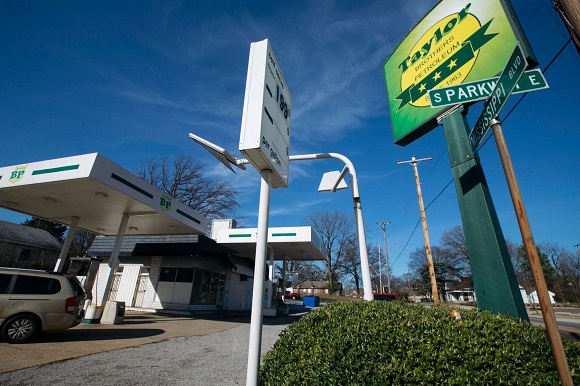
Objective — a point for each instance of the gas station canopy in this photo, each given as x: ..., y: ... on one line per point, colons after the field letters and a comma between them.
x: 295, y: 243
x: 97, y: 192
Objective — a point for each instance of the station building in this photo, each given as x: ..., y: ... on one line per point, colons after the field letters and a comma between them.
x: 153, y: 251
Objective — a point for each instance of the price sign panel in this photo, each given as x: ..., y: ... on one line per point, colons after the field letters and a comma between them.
x: 265, y: 132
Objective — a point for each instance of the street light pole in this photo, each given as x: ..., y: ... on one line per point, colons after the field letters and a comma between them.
x: 255, y: 345
x: 226, y: 158
x: 380, y: 271
x: 364, y: 256
x: 384, y: 228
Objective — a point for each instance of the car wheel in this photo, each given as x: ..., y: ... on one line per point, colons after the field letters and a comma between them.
x: 20, y: 329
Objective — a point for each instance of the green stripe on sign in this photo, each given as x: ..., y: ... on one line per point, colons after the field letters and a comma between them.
x: 132, y: 186
x: 188, y: 216
x: 283, y: 234
x: 55, y: 170
x: 242, y: 235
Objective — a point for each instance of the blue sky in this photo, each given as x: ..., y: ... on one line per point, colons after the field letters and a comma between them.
x: 131, y: 79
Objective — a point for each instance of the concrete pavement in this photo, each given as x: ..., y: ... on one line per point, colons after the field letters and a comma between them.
x: 138, y: 328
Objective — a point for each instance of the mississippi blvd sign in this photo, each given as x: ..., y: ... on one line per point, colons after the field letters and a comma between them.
x: 499, y: 95
x: 475, y: 91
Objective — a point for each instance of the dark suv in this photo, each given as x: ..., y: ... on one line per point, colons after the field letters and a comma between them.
x: 34, y: 301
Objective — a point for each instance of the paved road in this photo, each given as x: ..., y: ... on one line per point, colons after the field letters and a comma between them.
x: 147, y: 349
x: 568, y: 320
x: 218, y: 359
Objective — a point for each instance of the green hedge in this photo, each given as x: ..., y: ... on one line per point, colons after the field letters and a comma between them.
x: 385, y: 343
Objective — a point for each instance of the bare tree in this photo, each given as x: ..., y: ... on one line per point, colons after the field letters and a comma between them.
x: 183, y: 179
x: 336, y: 231
x: 351, y: 266
x: 81, y: 243
x: 307, y: 270
x: 521, y: 267
x: 566, y: 266
x: 453, y: 241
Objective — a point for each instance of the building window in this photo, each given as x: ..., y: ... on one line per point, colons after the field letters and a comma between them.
x: 167, y: 274
x: 206, y: 288
x: 184, y: 275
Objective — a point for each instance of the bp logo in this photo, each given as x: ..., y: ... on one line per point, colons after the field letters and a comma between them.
x: 442, y: 57
x: 165, y: 203
x: 17, y: 174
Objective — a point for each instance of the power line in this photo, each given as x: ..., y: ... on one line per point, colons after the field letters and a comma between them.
x: 483, y: 144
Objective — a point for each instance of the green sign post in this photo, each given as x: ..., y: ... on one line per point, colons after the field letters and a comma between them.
x: 479, y: 90
x: 506, y: 83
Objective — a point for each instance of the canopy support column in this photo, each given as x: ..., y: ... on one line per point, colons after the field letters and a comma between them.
x: 114, y: 260
x: 66, y: 246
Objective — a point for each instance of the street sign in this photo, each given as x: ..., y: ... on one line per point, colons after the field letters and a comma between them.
x: 479, y: 90
x: 499, y: 95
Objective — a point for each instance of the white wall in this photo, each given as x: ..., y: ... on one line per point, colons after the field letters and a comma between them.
x: 235, y: 293
x: 128, y: 284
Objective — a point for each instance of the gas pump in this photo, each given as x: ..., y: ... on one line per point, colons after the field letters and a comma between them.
x: 270, y: 299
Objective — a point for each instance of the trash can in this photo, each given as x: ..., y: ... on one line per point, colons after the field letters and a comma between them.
x: 114, y: 313
x: 311, y: 301
x: 93, y: 315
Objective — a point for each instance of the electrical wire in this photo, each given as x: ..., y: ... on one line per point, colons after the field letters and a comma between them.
x: 483, y: 144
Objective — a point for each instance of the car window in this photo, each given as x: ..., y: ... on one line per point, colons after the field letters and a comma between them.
x: 36, y: 285
x: 4, y: 282
x: 77, y: 287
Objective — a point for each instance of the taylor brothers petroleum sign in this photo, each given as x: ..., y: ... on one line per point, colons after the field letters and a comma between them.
x: 457, y: 42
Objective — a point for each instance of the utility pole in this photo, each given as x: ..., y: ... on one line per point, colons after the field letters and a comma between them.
x: 535, y: 264
x: 380, y: 271
x: 569, y: 11
x: 384, y: 228
x: 409, y: 279
x: 414, y: 161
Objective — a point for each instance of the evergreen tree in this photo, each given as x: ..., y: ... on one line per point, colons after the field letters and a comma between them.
x: 55, y: 229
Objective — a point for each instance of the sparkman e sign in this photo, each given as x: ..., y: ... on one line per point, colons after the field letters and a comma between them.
x: 265, y: 132
x: 479, y: 90
x: 458, y: 41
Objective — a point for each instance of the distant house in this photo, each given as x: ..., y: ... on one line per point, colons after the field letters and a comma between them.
x: 318, y: 288
x: 466, y: 295
x: 534, y: 297
x: 22, y: 246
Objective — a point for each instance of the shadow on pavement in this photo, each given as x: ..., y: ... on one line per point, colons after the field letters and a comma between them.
x: 295, y: 312
x: 81, y: 335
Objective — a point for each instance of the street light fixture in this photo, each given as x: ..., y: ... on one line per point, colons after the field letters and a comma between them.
x: 220, y: 153
x: 226, y: 158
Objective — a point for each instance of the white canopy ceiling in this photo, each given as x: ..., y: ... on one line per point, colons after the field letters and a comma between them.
x: 98, y: 192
